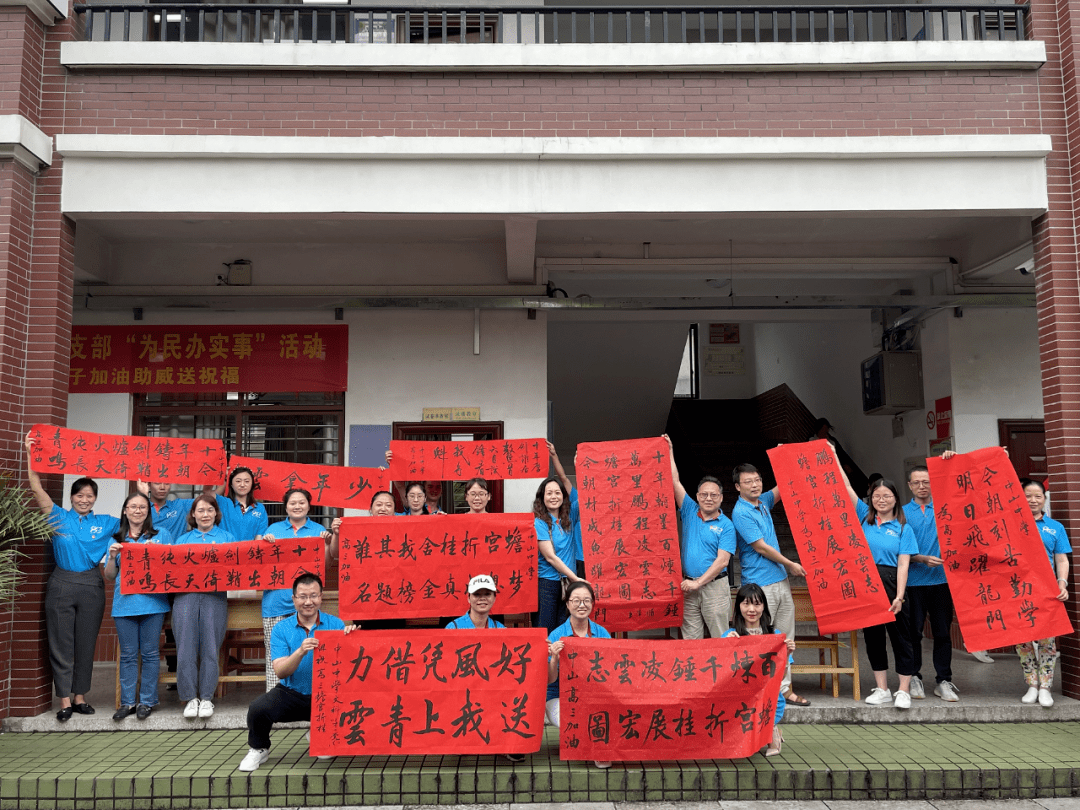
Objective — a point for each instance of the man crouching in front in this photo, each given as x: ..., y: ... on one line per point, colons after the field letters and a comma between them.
x: 291, y: 644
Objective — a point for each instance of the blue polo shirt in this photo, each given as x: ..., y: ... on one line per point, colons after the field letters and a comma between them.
x: 286, y: 639
x: 172, y: 516
x: 218, y: 534
x: 1054, y: 538
x: 921, y: 521
x: 702, y: 540
x: 80, y: 542
x: 753, y: 523
x: 139, y: 604
x: 279, y: 602
x: 887, y: 540
x: 241, y: 523
x: 564, y: 630
x: 465, y: 623
x: 575, y: 526
x: 562, y: 540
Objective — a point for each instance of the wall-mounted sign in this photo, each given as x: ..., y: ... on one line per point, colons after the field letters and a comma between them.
x: 723, y: 333
x: 939, y: 419
x: 451, y: 415
x: 724, y: 361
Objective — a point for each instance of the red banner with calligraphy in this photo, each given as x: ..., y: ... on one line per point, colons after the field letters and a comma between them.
x: 205, y: 567
x: 344, y: 487
x: 382, y: 692
x: 648, y: 700
x: 629, y: 533
x: 460, y: 461
x: 102, y: 455
x: 417, y: 567
x: 845, y: 587
x: 1002, y: 582
x: 174, y: 359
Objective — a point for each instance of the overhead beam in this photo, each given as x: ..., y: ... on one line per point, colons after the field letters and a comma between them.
x: 520, y: 249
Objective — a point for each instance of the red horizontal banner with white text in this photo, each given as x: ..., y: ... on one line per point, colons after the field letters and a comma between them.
x: 382, y: 692
x: 101, y: 455
x: 208, y: 567
x: 629, y: 533
x: 845, y: 587
x: 345, y: 487
x: 649, y: 700
x: 417, y: 567
x: 173, y: 359
x: 1002, y: 582
x: 460, y: 461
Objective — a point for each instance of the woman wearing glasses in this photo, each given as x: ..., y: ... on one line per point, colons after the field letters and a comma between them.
x: 198, y: 619
x: 580, y: 599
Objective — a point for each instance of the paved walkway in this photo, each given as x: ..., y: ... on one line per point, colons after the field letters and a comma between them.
x: 197, y: 769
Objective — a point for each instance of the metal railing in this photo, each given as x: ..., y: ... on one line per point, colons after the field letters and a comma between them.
x: 138, y: 22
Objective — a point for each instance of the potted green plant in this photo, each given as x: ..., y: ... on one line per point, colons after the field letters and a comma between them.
x: 20, y: 523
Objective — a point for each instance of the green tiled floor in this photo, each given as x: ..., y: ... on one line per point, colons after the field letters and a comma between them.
x: 173, y: 769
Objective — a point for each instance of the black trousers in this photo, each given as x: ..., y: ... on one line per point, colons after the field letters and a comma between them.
x: 280, y: 705
x: 899, y: 632
x: 933, y: 602
x: 74, y: 606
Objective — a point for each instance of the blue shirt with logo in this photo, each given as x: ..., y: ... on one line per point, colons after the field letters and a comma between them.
x: 921, y: 521
x: 80, y: 541
x: 465, y: 623
x: 887, y: 541
x: 172, y: 516
x: 563, y: 541
x: 1054, y: 538
x: 753, y: 523
x: 286, y: 638
x: 139, y: 604
x: 217, y: 534
x: 703, y: 540
x: 279, y: 602
x: 243, y: 524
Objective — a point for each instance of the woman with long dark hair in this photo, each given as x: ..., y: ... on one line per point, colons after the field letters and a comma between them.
x: 138, y: 617
x: 555, y: 512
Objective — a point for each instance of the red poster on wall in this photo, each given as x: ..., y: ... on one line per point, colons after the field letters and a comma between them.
x: 344, y: 487
x: 102, y: 455
x: 649, y: 700
x: 174, y: 359
x: 460, y: 461
x: 844, y: 584
x: 629, y: 533
x: 258, y: 565
x: 383, y: 692
x: 1002, y: 583
x: 417, y: 567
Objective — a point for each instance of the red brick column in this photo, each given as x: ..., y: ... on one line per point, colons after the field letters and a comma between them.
x: 1058, y: 287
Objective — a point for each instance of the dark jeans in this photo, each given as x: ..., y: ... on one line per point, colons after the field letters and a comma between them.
x: 899, y: 632
x: 280, y: 705
x: 552, y: 612
x: 933, y: 602
x: 74, y: 607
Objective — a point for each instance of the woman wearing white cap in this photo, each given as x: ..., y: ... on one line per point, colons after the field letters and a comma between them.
x: 481, y: 594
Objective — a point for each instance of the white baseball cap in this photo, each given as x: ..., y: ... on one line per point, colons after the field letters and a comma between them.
x: 481, y: 581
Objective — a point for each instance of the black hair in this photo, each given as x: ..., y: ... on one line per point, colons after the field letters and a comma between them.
x: 540, y: 509
x: 408, y: 487
x: 898, y: 513
x: 206, y: 497
x: 480, y: 482
x: 293, y: 491
x: 711, y: 479
x: 254, y: 483
x: 307, y: 579
x: 1031, y: 482
x: 755, y: 596
x: 917, y: 468
x: 377, y: 494
x: 574, y: 586
x: 78, y: 484
x: 124, y: 530
x: 743, y: 468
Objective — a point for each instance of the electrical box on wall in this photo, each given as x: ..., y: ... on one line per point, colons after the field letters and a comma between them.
x: 892, y: 383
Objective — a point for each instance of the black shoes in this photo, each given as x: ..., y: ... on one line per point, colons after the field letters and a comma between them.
x: 123, y: 711
x: 64, y: 714
x: 143, y: 711
x: 82, y: 708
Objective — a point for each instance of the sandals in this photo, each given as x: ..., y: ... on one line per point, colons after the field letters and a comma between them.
x: 794, y: 700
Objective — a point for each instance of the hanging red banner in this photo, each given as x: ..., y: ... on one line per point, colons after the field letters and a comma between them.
x: 655, y: 700
x: 417, y: 567
x: 382, y: 692
x: 204, y: 567
x: 460, y: 461
x: 344, y: 487
x: 629, y: 533
x: 102, y: 455
x: 845, y: 587
x: 1002, y: 583
x: 174, y: 359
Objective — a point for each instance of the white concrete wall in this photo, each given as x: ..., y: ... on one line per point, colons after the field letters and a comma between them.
x: 100, y: 413
x: 726, y: 386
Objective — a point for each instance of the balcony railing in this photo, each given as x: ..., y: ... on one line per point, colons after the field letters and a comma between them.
x: 371, y: 25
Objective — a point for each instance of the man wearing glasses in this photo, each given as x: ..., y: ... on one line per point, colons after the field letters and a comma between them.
x: 708, y: 541
x: 760, y: 559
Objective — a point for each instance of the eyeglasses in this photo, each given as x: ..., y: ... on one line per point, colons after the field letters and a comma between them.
x: 308, y: 598
x: 581, y: 602
x: 708, y: 496
x: 747, y: 481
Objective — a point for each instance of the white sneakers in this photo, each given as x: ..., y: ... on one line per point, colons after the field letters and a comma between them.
x: 1046, y: 700
x: 255, y: 757
x: 206, y: 708
x: 879, y: 697
x: 198, y: 708
x: 902, y: 700
x: 192, y: 708
x: 1030, y: 696
x: 1043, y: 696
x: 917, y: 690
x: 946, y: 690
x: 982, y: 655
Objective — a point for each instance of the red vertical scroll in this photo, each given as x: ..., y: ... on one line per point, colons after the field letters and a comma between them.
x: 1003, y: 586
x: 643, y: 700
x: 629, y: 533
x: 844, y: 584
x: 428, y: 692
